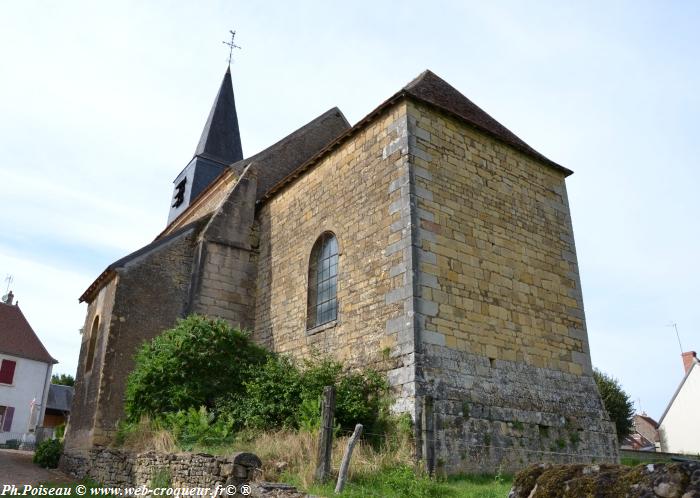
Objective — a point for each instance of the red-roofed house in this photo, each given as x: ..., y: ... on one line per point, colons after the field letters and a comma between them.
x: 25, y: 374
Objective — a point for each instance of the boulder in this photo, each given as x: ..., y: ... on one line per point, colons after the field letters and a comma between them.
x: 661, y: 480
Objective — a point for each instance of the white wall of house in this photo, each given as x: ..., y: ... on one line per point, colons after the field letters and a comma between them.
x: 31, y: 381
x: 680, y: 427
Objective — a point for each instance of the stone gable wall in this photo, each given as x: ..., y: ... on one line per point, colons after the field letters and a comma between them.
x: 503, y: 348
x: 159, y: 280
x: 358, y: 192
x: 87, y: 384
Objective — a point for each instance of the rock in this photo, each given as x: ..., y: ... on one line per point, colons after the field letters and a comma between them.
x: 674, y: 480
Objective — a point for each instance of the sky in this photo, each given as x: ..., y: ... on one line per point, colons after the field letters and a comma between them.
x: 102, y: 105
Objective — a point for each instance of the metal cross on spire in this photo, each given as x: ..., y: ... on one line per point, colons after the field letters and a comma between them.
x: 231, y: 46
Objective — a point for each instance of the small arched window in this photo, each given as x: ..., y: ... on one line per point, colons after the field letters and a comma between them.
x: 323, y: 281
x: 91, y: 344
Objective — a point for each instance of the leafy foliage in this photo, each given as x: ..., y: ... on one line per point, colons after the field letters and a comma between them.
x: 617, y: 403
x: 63, y: 379
x: 189, y: 366
x: 198, y: 427
x: 48, y: 452
x: 282, y: 394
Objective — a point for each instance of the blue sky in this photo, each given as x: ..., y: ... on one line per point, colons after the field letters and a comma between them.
x: 102, y: 104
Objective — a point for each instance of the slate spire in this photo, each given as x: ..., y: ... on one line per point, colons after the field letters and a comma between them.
x: 218, y: 148
x: 221, y: 139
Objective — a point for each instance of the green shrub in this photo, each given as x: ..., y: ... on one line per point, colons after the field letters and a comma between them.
x: 617, y: 403
x: 48, y: 452
x: 197, y: 427
x: 189, y: 366
x: 282, y: 394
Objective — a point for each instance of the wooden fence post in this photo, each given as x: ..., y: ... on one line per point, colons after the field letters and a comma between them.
x: 345, y: 465
x: 325, y: 443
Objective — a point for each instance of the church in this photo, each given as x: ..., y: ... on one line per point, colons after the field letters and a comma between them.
x: 426, y: 241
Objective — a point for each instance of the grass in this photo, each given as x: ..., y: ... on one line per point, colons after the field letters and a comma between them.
x: 402, y: 482
x: 384, y: 470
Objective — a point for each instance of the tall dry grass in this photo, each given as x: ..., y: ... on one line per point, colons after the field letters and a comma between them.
x: 287, y: 453
x: 148, y: 436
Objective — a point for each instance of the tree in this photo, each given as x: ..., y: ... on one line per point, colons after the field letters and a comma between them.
x: 63, y: 379
x: 617, y: 403
x: 189, y: 366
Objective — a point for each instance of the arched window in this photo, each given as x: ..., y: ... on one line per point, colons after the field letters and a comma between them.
x: 91, y: 344
x: 323, y: 281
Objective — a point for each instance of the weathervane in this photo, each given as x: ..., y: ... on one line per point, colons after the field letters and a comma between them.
x: 231, y: 46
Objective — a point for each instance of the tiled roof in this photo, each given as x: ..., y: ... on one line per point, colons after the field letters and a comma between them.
x: 17, y: 338
x: 60, y: 397
x: 433, y: 90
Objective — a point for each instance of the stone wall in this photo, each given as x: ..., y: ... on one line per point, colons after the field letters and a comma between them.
x: 87, y: 382
x: 503, y: 349
x: 156, y: 280
x: 111, y: 467
x: 353, y: 192
x: 226, y: 264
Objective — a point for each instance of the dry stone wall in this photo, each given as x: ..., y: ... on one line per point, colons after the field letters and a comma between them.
x: 115, y: 468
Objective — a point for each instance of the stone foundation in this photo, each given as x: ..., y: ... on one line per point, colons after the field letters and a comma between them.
x: 495, y: 414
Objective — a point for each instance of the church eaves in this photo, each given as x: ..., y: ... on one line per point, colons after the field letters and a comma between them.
x: 432, y: 90
x: 221, y: 139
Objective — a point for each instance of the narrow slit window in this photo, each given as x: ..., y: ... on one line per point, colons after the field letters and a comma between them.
x: 323, y: 281
x: 91, y: 344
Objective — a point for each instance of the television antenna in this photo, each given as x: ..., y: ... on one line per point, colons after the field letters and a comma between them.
x: 675, y: 327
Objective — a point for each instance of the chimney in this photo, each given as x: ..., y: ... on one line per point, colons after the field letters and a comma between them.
x: 7, y: 298
x: 688, y: 359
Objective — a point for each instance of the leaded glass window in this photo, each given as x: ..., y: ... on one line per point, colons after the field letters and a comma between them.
x: 323, y: 281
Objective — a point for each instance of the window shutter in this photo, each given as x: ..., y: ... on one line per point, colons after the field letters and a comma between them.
x: 7, y: 371
x: 7, y: 423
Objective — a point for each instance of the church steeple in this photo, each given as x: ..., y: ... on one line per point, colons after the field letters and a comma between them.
x: 220, y: 138
x: 218, y: 147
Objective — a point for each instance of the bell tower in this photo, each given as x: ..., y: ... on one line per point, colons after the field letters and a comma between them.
x: 219, y: 146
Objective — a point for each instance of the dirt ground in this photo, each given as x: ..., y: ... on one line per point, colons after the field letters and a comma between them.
x: 16, y: 467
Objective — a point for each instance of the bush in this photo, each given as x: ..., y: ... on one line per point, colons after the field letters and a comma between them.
x: 282, y: 394
x: 617, y: 403
x: 189, y: 366
x: 198, y: 427
x: 47, y: 453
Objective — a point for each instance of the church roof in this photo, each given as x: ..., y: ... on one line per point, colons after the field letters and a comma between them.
x: 277, y: 161
x: 432, y: 90
x: 221, y: 139
x: 111, y: 270
x: 17, y: 338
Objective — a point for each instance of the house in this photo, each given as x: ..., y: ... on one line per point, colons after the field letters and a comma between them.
x: 678, y: 426
x: 58, y: 405
x: 427, y: 241
x: 25, y: 374
x: 645, y: 436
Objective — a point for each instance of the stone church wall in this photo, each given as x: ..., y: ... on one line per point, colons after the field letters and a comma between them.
x: 503, y: 344
x: 152, y: 292
x: 87, y: 383
x: 355, y: 193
